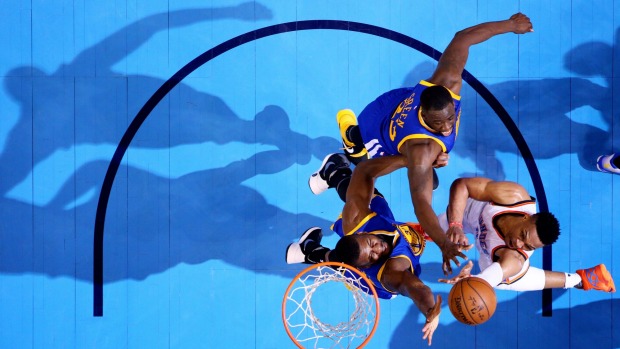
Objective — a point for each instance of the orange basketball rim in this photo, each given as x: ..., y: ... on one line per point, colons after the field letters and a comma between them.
x: 303, y: 323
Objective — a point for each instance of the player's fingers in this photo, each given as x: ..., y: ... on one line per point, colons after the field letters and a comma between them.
x: 425, y: 330
x: 447, y: 269
x: 460, y: 254
x: 468, y: 266
x: 428, y: 330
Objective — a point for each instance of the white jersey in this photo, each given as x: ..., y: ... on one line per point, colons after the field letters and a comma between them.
x: 478, y: 220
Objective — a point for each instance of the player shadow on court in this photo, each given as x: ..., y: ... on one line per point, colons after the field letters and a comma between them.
x: 196, y: 217
x: 201, y: 216
x: 548, y: 112
x: 517, y: 322
x: 70, y: 111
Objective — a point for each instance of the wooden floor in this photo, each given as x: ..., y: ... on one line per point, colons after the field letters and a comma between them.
x: 208, y: 118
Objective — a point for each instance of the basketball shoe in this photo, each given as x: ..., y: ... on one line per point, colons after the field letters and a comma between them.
x: 332, y: 162
x: 605, y: 163
x: 353, y: 148
x: 597, y: 278
x: 301, y: 251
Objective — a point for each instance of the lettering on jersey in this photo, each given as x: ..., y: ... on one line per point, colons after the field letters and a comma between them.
x: 481, y: 235
x: 400, y: 114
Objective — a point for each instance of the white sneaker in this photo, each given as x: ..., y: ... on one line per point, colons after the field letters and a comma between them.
x: 296, y: 252
x: 331, y: 163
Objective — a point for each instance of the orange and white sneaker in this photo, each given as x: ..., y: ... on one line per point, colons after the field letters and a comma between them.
x: 597, y: 278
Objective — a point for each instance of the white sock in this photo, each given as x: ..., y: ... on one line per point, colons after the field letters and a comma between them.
x: 572, y: 280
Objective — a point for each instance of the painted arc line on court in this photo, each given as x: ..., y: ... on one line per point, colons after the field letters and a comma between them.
x: 242, y: 39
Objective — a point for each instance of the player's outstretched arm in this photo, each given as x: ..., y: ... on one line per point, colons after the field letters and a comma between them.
x: 397, y: 276
x: 452, y: 61
x: 420, y: 154
x: 510, y: 262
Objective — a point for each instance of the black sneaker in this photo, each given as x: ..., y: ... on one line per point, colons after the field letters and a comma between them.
x: 297, y: 252
x: 331, y: 163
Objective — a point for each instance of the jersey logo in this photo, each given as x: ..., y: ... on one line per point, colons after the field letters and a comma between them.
x: 416, y: 240
x: 481, y: 235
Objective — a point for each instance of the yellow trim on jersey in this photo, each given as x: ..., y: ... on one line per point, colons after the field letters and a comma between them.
x: 458, y: 123
x: 420, y: 136
x: 380, y: 273
x: 362, y: 222
x: 422, y: 123
x: 454, y: 95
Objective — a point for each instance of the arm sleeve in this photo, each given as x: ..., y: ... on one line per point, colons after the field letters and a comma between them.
x: 532, y: 280
x: 493, y: 274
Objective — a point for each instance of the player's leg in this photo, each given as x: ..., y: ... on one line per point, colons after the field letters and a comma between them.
x: 597, y: 278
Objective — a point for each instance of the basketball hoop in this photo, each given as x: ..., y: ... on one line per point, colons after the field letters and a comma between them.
x: 330, y: 305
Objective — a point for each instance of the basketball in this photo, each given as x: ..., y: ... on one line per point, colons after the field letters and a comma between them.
x: 472, y: 301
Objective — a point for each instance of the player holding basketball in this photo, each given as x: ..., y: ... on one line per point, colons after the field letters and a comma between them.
x: 387, y: 251
x: 507, y: 229
x: 421, y: 123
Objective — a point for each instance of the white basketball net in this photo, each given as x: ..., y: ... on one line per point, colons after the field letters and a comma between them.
x: 308, y: 329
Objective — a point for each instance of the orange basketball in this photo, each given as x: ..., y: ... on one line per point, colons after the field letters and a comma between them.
x: 472, y: 301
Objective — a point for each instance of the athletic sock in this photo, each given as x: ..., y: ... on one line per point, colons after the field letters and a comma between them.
x: 572, y: 280
x: 339, y: 179
x: 316, y: 252
x: 342, y: 186
x: 354, y: 135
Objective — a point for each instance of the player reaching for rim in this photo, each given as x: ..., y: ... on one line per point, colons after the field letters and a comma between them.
x: 507, y: 229
x: 421, y: 123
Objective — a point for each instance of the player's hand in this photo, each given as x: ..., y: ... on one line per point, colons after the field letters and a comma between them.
x: 432, y: 321
x: 457, y: 236
x: 464, y: 273
x: 450, y: 251
x: 521, y: 23
x: 442, y: 160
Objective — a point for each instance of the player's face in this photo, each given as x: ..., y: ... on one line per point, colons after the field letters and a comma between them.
x: 441, y: 121
x: 372, y: 249
x: 524, y: 236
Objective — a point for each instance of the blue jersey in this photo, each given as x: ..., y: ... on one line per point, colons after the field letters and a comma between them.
x: 395, y: 117
x: 406, y: 242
